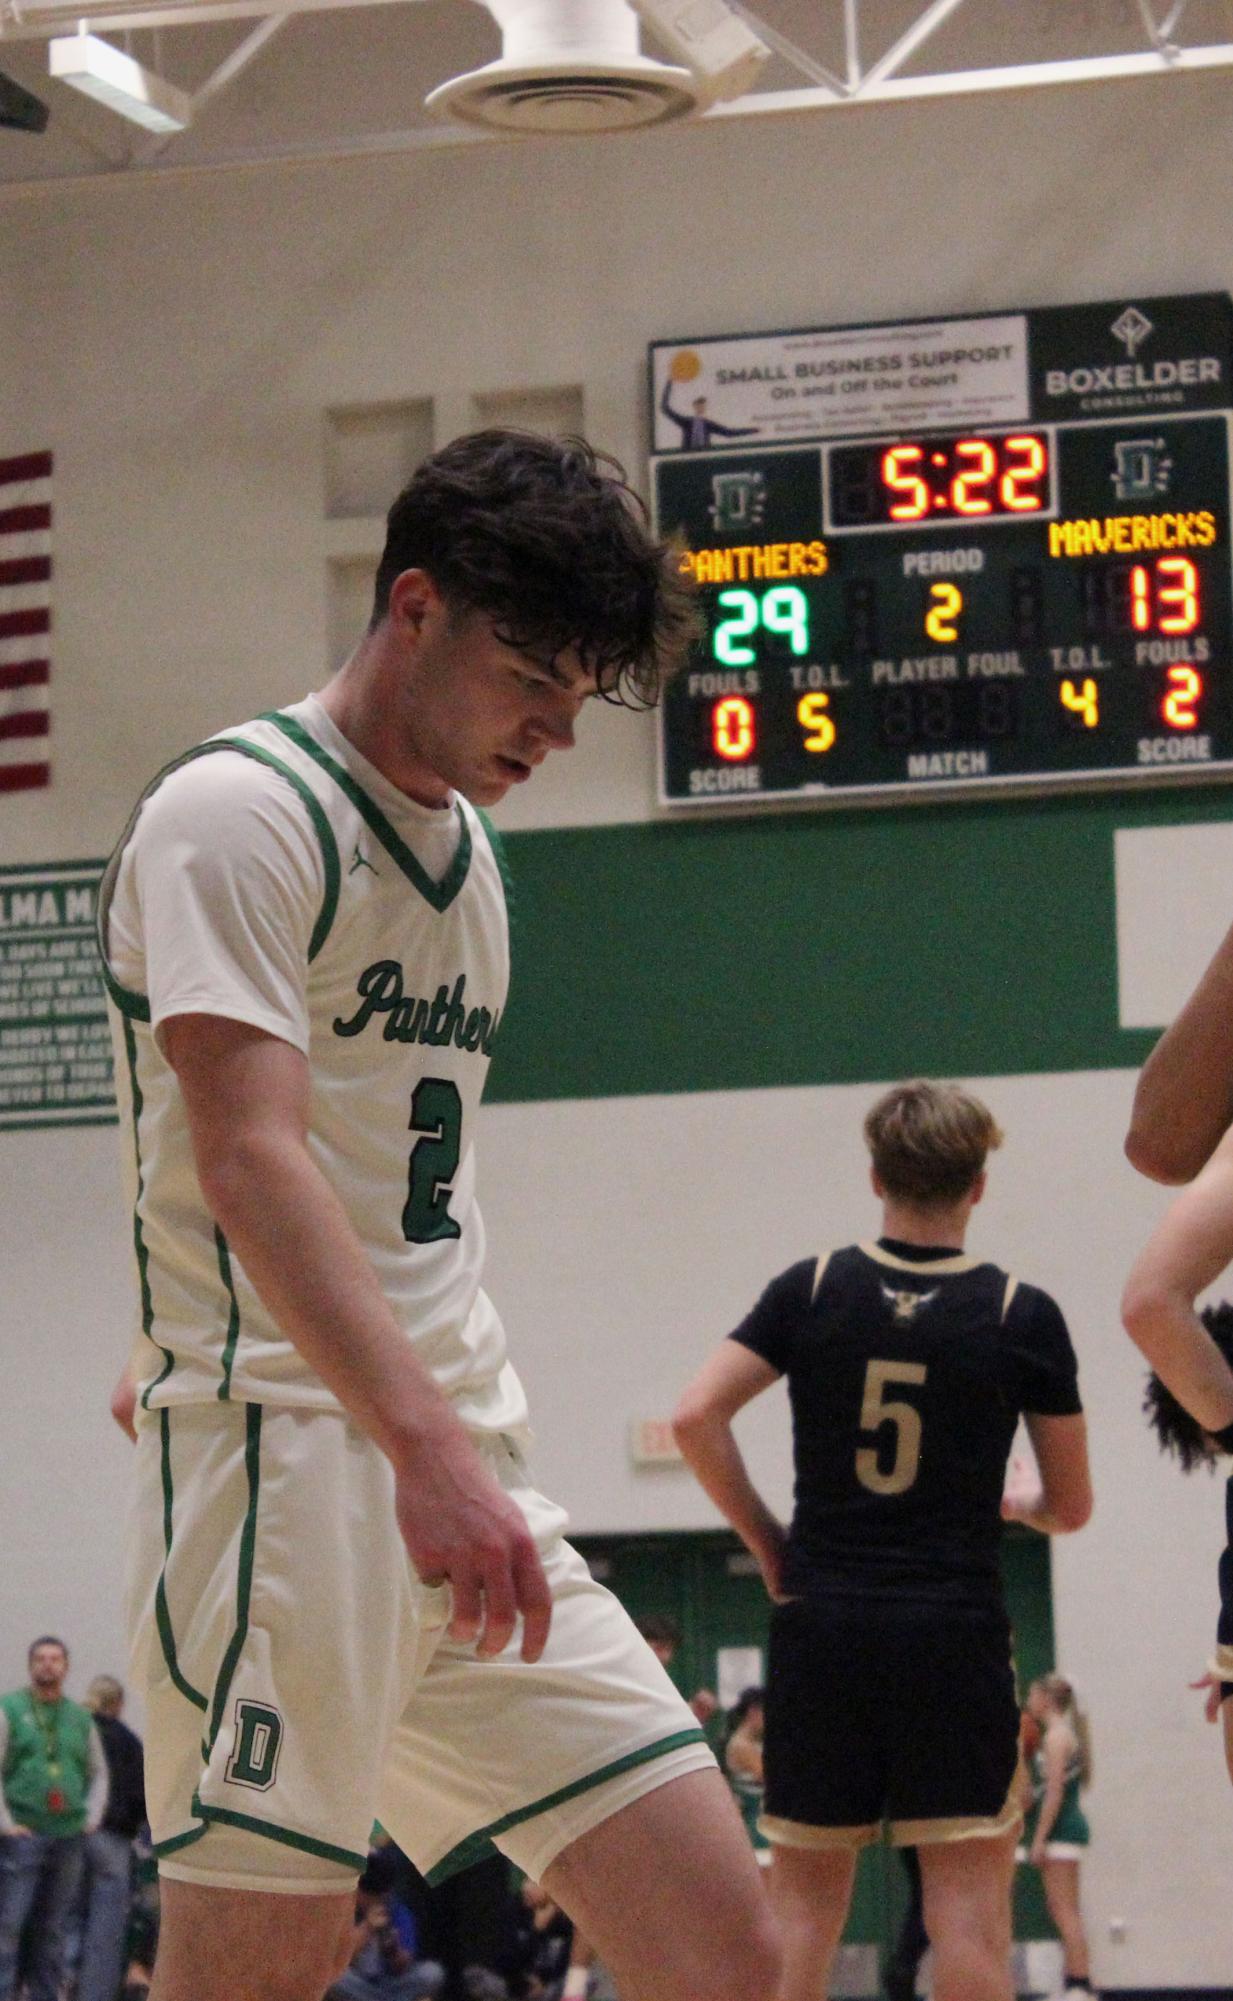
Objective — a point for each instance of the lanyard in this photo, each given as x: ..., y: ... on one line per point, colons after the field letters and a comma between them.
x: 47, y: 1716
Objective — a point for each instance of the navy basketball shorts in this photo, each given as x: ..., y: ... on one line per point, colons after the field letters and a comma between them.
x: 889, y: 1712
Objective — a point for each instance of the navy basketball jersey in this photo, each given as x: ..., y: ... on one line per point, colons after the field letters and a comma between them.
x: 908, y: 1371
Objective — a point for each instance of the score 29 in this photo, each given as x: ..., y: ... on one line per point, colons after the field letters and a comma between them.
x: 783, y: 611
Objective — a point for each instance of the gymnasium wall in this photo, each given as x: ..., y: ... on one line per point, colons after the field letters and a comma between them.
x: 702, y: 1008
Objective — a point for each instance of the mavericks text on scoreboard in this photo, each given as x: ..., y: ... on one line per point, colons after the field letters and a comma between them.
x: 951, y: 555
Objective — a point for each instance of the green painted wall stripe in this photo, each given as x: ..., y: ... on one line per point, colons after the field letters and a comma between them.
x: 823, y: 948
x: 474, y: 1847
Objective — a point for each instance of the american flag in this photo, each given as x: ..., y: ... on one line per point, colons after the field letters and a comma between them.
x: 25, y: 620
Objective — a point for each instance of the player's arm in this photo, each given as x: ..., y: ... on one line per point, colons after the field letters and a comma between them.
x: 1053, y: 1751
x: 1187, y: 1251
x: 1184, y: 1098
x: 1062, y: 1503
x: 248, y: 1097
x: 702, y: 1427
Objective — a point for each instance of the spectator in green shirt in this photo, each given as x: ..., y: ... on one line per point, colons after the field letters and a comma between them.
x: 53, y: 1791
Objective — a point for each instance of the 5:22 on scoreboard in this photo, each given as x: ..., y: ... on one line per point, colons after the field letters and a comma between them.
x: 1039, y: 599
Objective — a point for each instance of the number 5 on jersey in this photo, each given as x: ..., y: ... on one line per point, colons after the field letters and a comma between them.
x: 878, y: 1409
x: 436, y: 1112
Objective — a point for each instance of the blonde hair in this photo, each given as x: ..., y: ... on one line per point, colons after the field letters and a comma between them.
x: 104, y: 1696
x: 1061, y: 1694
x: 929, y: 1141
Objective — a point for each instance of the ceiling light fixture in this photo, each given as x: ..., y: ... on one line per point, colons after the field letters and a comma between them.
x: 94, y: 67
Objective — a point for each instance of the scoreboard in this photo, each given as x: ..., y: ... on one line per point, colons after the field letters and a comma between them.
x: 951, y: 556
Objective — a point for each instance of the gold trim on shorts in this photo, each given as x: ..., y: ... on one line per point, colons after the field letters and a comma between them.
x: 961, y: 1827
x: 799, y: 1834
x: 901, y: 1833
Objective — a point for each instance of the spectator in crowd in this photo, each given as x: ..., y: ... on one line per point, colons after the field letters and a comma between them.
x: 108, y: 1873
x: 385, y: 1965
x: 53, y: 1790
x: 663, y: 1637
x: 1055, y: 1832
x: 543, y: 1938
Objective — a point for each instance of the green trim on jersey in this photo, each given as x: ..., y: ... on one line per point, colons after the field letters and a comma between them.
x: 500, y: 855
x: 137, y: 1006
x: 439, y: 894
x: 162, y: 1612
x: 349, y: 1857
x: 233, y: 1318
x: 244, y: 1579
x: 472, y: 1849
x: 139, y: 1241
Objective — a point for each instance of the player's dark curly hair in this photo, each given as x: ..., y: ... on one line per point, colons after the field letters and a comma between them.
x: 546, y: 538
x: 1178, y: 1432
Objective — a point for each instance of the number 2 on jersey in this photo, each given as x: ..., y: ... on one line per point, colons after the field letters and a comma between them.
x: 878, y: 1409
x: 436, y: 1113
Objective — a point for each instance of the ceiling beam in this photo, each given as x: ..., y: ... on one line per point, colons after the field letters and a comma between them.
x: 972, y: 82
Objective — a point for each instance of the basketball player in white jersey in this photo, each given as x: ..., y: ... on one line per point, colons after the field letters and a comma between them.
x: 347, y: 1600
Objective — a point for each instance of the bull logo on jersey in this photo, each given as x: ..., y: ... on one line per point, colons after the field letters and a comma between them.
x: 906, y: 1305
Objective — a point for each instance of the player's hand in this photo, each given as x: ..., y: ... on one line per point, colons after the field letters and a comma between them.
x: 124, y: 1405
x: 771, y: 1552
x: 461, y: 1529
x: 1211, y: 1682
x: 1036, y: 1854
x: 1023, y: 1492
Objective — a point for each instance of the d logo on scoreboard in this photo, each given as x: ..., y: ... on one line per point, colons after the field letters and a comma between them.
x: 738, y: 501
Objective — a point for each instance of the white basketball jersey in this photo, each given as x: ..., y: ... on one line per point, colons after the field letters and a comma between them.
x: 275, y: 877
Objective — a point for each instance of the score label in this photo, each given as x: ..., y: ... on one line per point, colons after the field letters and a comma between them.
x: 1043, y: 600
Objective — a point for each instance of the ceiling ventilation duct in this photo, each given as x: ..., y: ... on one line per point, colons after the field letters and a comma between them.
x: 576, y: 66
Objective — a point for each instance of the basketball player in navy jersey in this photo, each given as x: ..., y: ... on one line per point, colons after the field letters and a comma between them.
x: 890, y: 1696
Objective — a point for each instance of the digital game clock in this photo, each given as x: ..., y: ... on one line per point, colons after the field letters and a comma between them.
x: 951, y: 555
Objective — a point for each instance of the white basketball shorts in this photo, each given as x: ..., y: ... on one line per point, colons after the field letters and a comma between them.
x: 300, y: 1684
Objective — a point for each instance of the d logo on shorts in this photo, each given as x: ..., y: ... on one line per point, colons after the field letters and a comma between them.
x: 258, y: 1740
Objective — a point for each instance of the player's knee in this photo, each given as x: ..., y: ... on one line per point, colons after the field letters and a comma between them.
x: 757, y: 1961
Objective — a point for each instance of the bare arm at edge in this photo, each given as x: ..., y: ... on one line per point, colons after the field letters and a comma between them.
x: 1060, y: 1447
x: 1187, y: 1251
x: 702, y: 1427
x: 1184, y: 1097
x: 247, y: 1096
